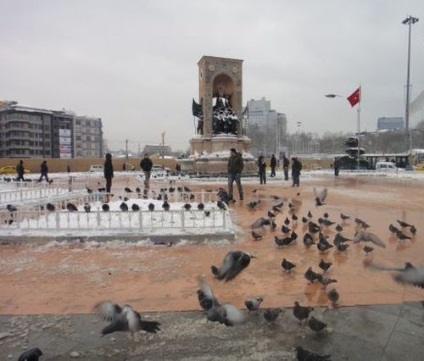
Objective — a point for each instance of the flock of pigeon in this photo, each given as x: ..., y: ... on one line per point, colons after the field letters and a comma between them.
x: 315, y: 235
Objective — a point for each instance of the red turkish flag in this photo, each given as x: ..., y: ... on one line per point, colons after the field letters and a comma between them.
x: 355, y: 97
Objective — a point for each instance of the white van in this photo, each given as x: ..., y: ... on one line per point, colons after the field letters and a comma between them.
x: 385, y: 167
x: 96, y: 168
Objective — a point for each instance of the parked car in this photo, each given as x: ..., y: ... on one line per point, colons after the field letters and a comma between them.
x: 96, y: 168
x: 385, y: 167
x: 11, y: 169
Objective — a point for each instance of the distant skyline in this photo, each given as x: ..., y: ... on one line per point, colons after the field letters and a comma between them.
x: 134, y: 63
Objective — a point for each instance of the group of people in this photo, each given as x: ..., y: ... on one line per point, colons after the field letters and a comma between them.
x: 44, y: 170
x: 296, y: 169
x: 146, y: 166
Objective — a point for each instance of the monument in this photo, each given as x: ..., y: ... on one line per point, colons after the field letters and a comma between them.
x: 219, y: 118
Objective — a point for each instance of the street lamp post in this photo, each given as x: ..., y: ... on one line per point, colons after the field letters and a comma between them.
x: 410, y: 20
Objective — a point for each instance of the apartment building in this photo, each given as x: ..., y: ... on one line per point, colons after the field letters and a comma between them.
x: 28, y: 132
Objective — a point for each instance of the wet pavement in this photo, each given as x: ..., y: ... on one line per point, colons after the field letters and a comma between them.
x: 48, y: 290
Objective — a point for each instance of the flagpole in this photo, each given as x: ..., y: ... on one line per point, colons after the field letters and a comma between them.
x: 359, y: 126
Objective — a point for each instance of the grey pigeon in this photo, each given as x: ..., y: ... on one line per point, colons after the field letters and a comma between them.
x: 226, y: 314
x: 271, y: 314
x: 205, y: 295
x: 324, y: 265
x: 368, y: 237
x: 123, y: 318
x: 311, y: 276
x: 32, y: 354
x: 252, y: 304
x: 333, y: 296
x: 233, y: 263
x: 305, y: 355
x: 87, y: 207
x: 320, y: 197
x: 301, y: 312
x: 287, y: 265
x: 316, y: 325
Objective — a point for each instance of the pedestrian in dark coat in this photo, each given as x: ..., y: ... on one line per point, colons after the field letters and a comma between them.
x: 146, y: 166
x: 44, y: 169
x: 108, y: 174
x: 296, y: 168
x: 20, y: 170
x: 336, y: 166
x: 262, y: 169
x: 235, y: 167
x: 273, y: 164
x: 286, y: 164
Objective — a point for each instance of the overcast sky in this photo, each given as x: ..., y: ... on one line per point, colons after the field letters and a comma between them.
x: 134, y: 63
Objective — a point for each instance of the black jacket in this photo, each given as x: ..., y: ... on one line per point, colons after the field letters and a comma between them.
x: 146, y: 164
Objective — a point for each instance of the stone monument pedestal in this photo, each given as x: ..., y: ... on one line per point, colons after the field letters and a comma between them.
x: 209, y: 155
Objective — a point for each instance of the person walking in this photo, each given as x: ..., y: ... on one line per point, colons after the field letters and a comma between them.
x: 44, y: 169
x: 336, y: 166
x: 296, y: 168
x: 235, y: 167
x: 262, y: 169
x: 286, y: 164
x: 108, y: 174
x: 20, y: 170
x: 146, y: 166
x: 273, y: 164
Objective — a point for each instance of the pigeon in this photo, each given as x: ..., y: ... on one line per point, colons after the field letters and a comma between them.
x: 286, y: 241
x: 135, y: 207
x: 402, y: 236
x: 320, y: 197
x: 287, y: 265
x: 361, y: 223
x: 326, y: 215
x: 32, y: 354
x: 221, y: 205
x: 368, y: 249
x: 324, y: 246
x: 393, y: 229
x: 123, y: 207
x: 324, y: 265
x: 344, y: 217
x: 339, y: 228
x: 166, y: 206
x: 309, y: 215
x: 316, y: 325
x: 404, y: 224
x: 305, y: 355
x: 325, y: 281
x: 200, y: 206
x: 301, y: 312
x: 260, y: 222
x: 413, y: 230
x: 333, y: 296
x: 253, y: 204
x: 205, y: 295
x: 128, y: 190
x: 89, y: 190
x: 368, y: 237
x: 410, y: 275
x: 311, y: 276
x: 87, y: 207
x: 12, y: 208
x: 256, y: 235
x: 342, y: 247
x: 234, y: 262
x: 271, y: 314
x: 187, y: 206
x: 308, y: 240
x: 339, y: 239
x: 252, y: 304
x: 151, y: 207
x: 226, y: 314
x: 71, y: 207
x: 50, y: 207
x: 285, y: 229
x: 123, y: 318
x: 105, y: 207
x: 270, y: 214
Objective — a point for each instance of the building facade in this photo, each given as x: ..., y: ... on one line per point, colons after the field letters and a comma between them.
x: 266, y: 127
x: 28, y: 132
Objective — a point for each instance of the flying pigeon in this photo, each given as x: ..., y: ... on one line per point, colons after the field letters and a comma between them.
x: 205, y: 295
x: 123, y: 318
x: 305, y: 355
x: 234, y: 262
x: 320, y: 197
x: 32, y: 354
x: 368, y: 237
x: 226, y: 314
x: 408, y: 274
